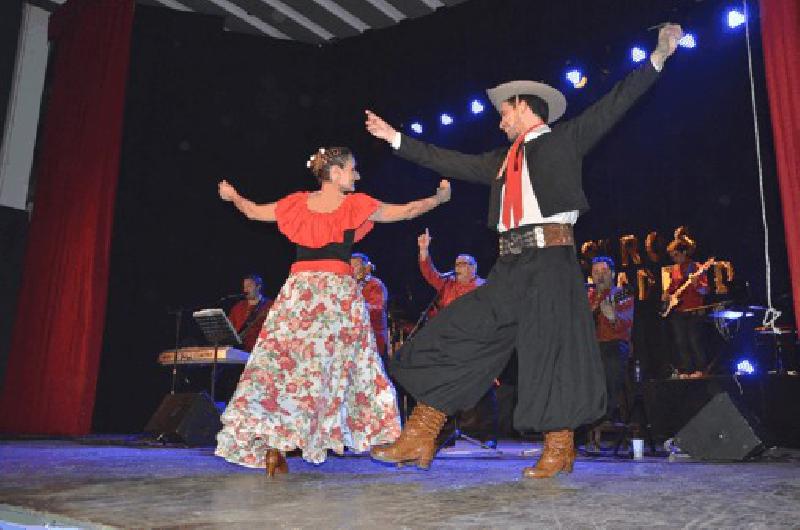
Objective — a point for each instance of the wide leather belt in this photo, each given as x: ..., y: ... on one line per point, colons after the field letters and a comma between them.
x: 535, y: 236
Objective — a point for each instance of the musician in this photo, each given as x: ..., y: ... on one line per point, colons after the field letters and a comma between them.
x: 449, y: 286
x: 612, y: 309
x: 248, y: 314
x: 376, y: 296
x: 683, y: 321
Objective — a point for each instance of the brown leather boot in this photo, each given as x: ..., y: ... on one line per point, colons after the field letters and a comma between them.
x: 417, y: 442
x: 558, y: 455
x: 276, y: 463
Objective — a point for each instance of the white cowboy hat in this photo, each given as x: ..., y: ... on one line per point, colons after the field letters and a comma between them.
x: 556, y: 102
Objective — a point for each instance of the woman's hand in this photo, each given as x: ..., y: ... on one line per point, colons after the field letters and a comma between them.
x: 226, y: 191
x: 443, y: 192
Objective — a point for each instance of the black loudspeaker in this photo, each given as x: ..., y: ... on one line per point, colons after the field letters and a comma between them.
x: 190, y: 418
x: 720, y: 431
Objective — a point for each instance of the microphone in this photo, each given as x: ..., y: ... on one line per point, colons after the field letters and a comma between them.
x: 448, y: 273
x: 237, y: 296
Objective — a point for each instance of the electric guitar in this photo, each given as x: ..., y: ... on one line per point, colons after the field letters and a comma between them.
x: 675, y: 298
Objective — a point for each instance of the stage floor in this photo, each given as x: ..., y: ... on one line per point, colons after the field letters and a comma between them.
x: 103, y: 483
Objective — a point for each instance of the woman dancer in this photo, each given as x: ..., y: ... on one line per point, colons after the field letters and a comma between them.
x: 314, y: 380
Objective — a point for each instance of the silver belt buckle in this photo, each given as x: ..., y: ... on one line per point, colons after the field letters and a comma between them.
x: 538, y: 233
x: 514, y: 243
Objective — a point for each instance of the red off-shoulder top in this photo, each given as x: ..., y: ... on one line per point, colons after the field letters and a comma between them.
x: 311, y: 229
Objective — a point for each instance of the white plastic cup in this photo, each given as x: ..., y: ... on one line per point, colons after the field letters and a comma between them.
x: 638, y: 448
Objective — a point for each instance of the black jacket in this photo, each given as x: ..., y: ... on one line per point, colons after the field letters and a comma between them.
x: 554, y: 159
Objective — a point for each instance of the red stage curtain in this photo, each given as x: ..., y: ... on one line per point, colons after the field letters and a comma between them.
x: 780, y: 29
x: 55, y: 348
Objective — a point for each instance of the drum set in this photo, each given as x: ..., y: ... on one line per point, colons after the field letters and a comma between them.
x: 773, y: 348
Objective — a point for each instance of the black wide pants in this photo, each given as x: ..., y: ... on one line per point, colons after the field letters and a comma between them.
x: 535, y: 302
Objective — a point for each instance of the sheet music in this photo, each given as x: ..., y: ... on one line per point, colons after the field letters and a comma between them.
x: 216, y: 327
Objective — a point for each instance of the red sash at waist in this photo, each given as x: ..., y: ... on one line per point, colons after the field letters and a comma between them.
x: 322, y: 265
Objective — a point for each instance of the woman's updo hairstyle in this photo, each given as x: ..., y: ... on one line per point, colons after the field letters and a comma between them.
x: 320, y: 163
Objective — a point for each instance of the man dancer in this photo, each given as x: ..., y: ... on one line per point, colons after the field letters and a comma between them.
x: 534, y: 299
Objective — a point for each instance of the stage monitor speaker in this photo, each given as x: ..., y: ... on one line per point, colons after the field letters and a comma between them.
x: 189, y: 418
x: 720, y: 431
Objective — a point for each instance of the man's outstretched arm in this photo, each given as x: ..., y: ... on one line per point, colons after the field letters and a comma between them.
x: 480, y: 168
x: 595, y: 122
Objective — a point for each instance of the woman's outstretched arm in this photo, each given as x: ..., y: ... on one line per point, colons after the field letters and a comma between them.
x: 256, y: 212
x: 390, y: 213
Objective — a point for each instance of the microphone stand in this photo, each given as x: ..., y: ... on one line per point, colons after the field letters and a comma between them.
x: 425, y: 312
x: 178, y: 317
x: 423, y: 316
x: 420, y: 321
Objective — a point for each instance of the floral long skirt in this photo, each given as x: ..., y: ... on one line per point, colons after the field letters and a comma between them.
x: 314, y: 380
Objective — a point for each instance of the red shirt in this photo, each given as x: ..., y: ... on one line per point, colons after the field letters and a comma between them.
x: 238, y: 316
x: 619, y: 329
x: 375, y: 295
x: 692, y: 296
x: 447, y: 286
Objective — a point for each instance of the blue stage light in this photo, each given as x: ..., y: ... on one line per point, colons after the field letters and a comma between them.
x: 735, y: 18
x: 416, y: 127
x: 688, y: 41
x: 745, y: 367
x: 577, y: 79
x: 476, y: 106
x: 446, y: 119
x: 637, y: 54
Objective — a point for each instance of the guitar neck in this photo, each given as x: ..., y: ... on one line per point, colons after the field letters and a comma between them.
x: 700, y: 270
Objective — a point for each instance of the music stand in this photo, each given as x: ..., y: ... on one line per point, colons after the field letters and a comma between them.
x: 217, y: 330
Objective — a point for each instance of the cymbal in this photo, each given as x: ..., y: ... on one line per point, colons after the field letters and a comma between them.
x: 729, y: 314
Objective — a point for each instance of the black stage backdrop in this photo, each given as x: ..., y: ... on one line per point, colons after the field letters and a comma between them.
x: 205, y: 104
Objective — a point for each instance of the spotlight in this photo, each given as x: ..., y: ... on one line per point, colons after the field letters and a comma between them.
x: 416, y: 127
x: 476, y: 106
x: 577, y: 79
x: 446, y: 119
x: 637, y: 54
x: 688, y: 41
x: 736, y: 18
x: 745, y: 367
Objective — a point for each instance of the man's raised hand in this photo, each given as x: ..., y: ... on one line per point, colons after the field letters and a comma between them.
x: 379, y: 128
x: 668, y: 37
x: 424, y: 241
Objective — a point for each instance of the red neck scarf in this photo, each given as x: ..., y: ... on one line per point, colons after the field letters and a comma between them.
x: 512, y: 197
